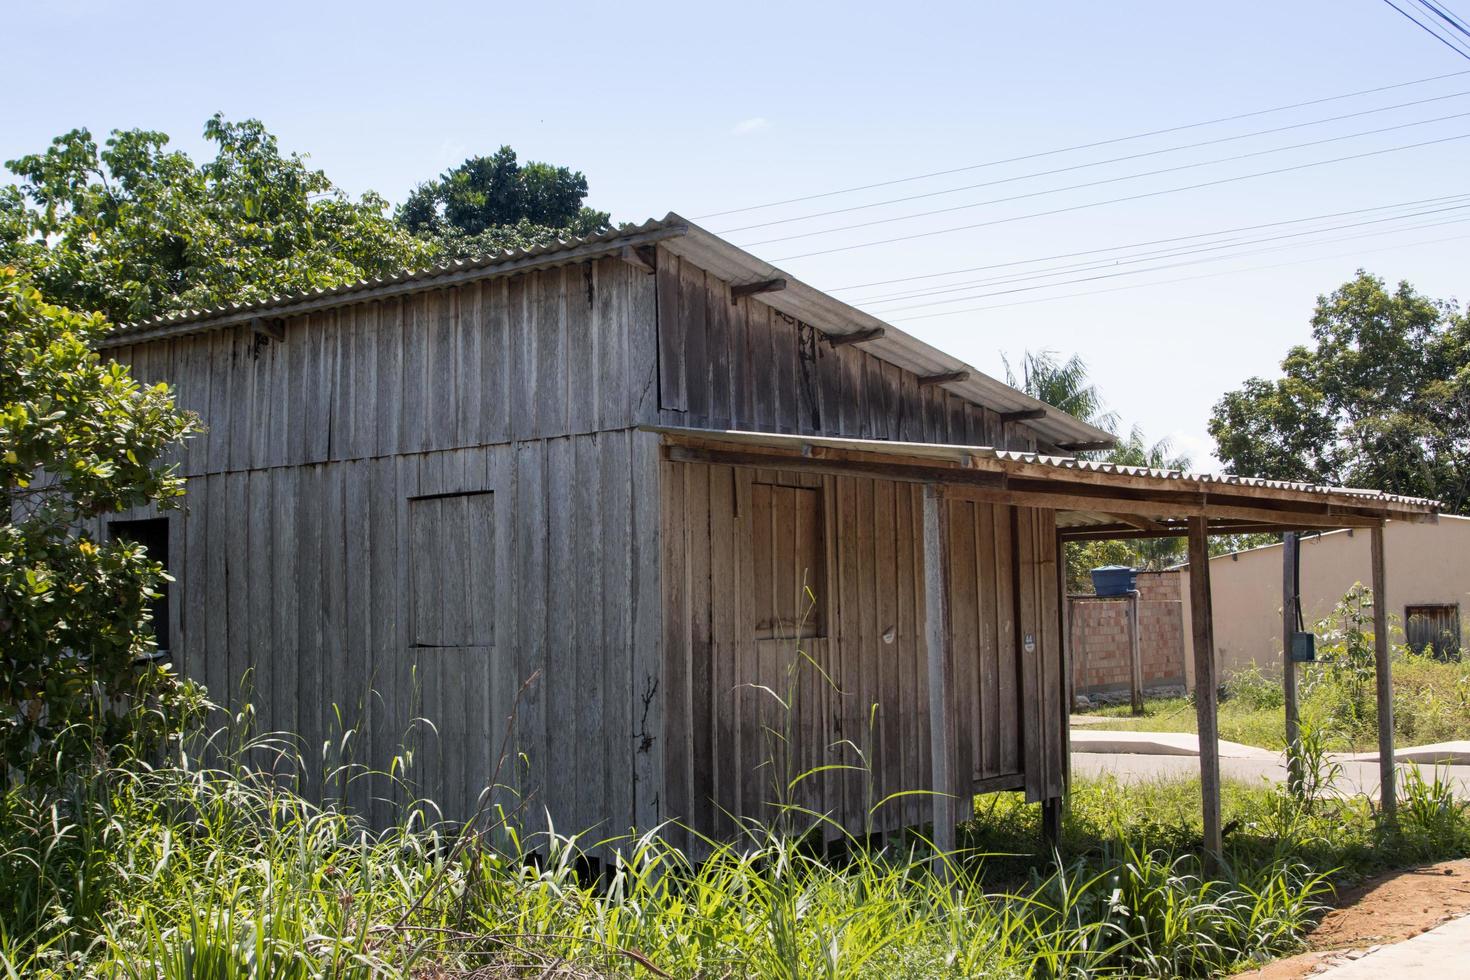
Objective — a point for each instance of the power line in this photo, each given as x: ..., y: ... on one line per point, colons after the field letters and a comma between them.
x: 1155, y: 241
x: 1105, y: 180
x: 1174, y: 252
x: 1444, y: 13
x: 1087, y: 146
x: 1165, y: 282
x: 1100, y: 163
x: 1172, y: 265
x: 1118, y: 200
x: 1429, y: 30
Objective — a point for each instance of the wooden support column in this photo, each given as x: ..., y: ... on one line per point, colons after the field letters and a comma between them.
x: 1387, y: 777
x: 1135, y: 654
x: 941, y: 668
x: 1290, y: 558
x: 1204, y: 682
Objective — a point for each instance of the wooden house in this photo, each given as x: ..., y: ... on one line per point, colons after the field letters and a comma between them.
x: 581, y: 505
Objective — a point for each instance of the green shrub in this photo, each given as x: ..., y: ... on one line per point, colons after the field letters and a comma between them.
x: 1255, y: 690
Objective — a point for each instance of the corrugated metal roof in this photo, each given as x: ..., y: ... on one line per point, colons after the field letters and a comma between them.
x: 706, y: 250
x: 987, y: 457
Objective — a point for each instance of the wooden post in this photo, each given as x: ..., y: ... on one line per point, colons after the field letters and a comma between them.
x: 1204, y: 682
x: 1290, y: 557
x: 1387, y: 777
x: 1135, y: 656
x: 941, y: 667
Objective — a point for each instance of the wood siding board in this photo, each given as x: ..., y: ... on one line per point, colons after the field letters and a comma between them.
x: 648, y: 592
x: 386, y: 728
x: 305, y: 561
x: 615, y: 498
x: 676, y: 647
x: 610, y: 330
x: 693, y: 310
x: 552, y: 390
x: 531, y: 545
x: 701, y: 709
x: 717, y: 350
x: 1009, y: 689
x: 1032, y: 736
x: 389, y: 395
x: 726, y: 631
x: 643, y: 346
x: 469, y: 335
x: 561, y: 694
x: 358, y: 661
x: 496, y: 361
x: 673, y: 384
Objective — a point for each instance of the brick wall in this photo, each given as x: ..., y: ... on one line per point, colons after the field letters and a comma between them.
x: 1100, y: 643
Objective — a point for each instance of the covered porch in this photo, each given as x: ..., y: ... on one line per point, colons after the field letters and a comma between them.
x: 1080, y: 500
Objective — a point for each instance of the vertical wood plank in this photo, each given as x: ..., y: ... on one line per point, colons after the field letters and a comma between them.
x: 1383, y: 673
x: 647, y: 693
x: 673, y: 391
x: 940, y: 668
x: 1204, y: 681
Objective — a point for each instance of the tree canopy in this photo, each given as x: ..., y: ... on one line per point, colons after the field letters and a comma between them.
x: 81, y: 439
x: 492, y: 203
x: 133, y: 228
x: 1381, y: 399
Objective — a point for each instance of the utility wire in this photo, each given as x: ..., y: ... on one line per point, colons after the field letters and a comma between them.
x: 1153, y: 256
x: 1087, y: 146
x: 1429, y: 30
x: 1165, y: 282
x: 1155, y: 241
x: 1100, y: 163
x: 1104, y: 181
x: 1172, y: 265
x: 1119, y: 200
x: 1444, y: 13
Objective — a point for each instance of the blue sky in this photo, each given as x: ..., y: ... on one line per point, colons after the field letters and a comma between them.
x: 702, y: 108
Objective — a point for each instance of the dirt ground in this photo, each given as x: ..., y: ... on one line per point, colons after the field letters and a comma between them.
x: 1383, y: 910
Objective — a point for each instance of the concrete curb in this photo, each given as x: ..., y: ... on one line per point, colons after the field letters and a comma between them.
x: 1158, y: 743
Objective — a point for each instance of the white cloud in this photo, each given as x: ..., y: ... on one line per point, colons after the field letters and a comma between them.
x: 751, y: 125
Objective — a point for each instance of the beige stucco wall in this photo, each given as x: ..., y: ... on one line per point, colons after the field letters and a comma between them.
x: 1424, y: 563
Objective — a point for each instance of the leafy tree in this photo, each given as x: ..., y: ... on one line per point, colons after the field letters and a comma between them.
x: 1381, y: 399
x: 80, y: 439
x: 134, y: 229
x: 1062, y: 384
x: 490, y: 204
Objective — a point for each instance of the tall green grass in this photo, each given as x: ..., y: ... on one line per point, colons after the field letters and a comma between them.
x: 182, y: 871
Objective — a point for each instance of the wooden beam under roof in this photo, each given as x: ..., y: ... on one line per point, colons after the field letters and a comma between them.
x: 1025, y: 415
x: 856, y: 337
x: 752, y: 288
x: 947, y: 377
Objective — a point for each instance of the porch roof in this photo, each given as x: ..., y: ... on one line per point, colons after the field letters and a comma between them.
x: 1093, y: 499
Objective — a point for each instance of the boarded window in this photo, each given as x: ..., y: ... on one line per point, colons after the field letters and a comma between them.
x: 789, y: 556
x: 1433, y: 629
x: 152, y: 534
x: 452, y: 551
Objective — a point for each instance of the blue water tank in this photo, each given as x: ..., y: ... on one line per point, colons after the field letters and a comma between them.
x: 1114, y: 580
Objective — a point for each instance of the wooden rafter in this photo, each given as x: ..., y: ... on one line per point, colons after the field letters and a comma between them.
x: 752, y: 288
x: 948, y: 377
x: 856, y: 337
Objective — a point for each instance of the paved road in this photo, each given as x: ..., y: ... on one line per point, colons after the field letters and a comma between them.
x: 1356, y: 778
x: 1440, y: 953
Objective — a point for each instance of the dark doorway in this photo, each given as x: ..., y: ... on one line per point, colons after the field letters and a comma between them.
x: 1434, y: 630
x: 152, y: 534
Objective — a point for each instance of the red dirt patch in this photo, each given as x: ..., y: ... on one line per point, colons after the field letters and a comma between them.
x: 1387, y: 909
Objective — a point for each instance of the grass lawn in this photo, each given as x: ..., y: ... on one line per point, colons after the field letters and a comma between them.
x: 1337, y: 697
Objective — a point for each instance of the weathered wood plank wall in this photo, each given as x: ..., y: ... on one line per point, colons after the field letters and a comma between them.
x: 306, y: 584
x: 747, y: 366
x: 723, y: 680
x: 551, y: 353
x: 333, y: 606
